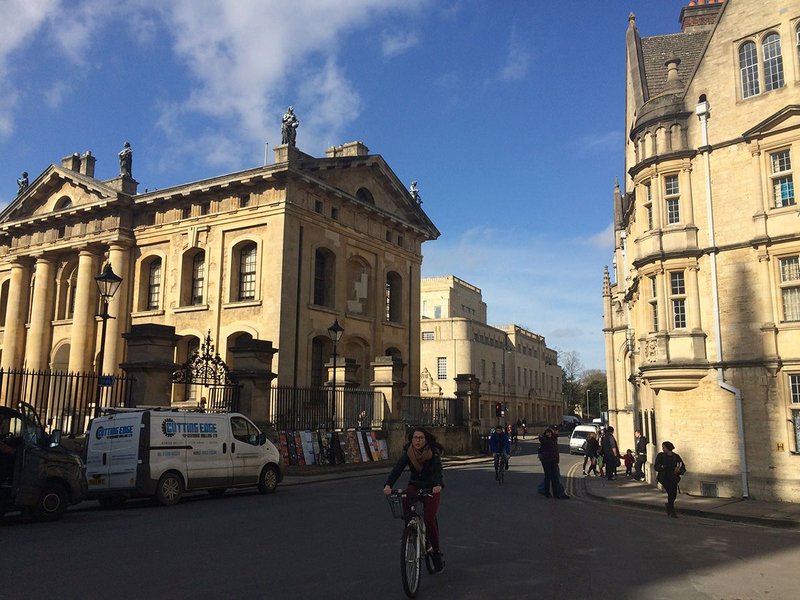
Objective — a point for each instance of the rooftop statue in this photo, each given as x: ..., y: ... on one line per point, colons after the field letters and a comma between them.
x: 289, y: 125
x: 126, y: 160
x: 22, y: 182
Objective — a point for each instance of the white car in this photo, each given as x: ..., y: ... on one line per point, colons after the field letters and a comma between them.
x: 579, y: 436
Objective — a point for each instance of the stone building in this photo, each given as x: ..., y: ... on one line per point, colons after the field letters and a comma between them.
x: 514, y: 366
x: 275, y: 253
x: 702, y: 320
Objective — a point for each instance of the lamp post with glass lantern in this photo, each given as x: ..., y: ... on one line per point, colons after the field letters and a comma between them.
x: 335, y: 332
x: 108, y: 283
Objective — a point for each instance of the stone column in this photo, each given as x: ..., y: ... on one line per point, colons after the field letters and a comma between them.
x: 252, y: 360
x: 388, y: 379
x: 468, y: 390
x: 345, y: 378
x: 37, y: 348
x: 16, y: 314
x: 84, y: 327
x: 118, y: 307
x: 151, y: 353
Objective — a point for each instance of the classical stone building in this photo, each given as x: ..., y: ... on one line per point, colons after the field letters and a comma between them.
x: 514, y: 366
x: 702, y: 320
x: 275, y: 253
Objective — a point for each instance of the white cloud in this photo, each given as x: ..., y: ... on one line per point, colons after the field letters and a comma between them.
x: 398, y: 42
x: 536, y: 281
x: 602, y: 240
x: 609, y: 140
x: 517, y: 60
x: 54, y: 95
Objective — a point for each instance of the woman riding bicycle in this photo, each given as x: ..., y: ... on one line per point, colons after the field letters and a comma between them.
x: 422, y: 456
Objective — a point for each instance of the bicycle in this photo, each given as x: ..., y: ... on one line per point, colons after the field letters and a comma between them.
x: 413, y: 541
x: 499, y: 467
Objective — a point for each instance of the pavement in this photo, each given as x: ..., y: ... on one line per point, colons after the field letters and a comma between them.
x: 621, y: 491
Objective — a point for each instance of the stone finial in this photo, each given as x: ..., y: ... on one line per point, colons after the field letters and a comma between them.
x: 673, y: 81
x: 606, y: 282
x: 631, y: 20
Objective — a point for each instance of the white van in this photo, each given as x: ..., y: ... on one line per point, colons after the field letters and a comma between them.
x: 579, y: 436
x: 165, y: 452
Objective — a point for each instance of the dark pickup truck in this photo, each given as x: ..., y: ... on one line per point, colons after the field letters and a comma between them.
x: 37, y: 474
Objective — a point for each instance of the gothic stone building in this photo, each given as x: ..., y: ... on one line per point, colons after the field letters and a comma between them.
x: 702, y: 325
x: 272, y: 253
x: 514, y: 366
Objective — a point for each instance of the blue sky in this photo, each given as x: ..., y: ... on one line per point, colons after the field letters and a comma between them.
x: 509, y: 114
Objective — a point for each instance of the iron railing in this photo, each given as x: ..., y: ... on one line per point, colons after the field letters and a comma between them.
x: 299, y: 409
x: 433, y: 412
x: 63, y: 400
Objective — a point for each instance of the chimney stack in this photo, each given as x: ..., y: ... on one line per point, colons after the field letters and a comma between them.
x: 699, y: 15
x: 87, y: 164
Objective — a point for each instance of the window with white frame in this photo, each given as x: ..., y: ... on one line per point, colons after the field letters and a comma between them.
x: 790, y: 287
x: 748, y: 68
x: 427, y: 335
x: 672, y: 198
x: 441, y: 367
x: 654, y: 302
x: 198, y: 277
x: 782, y: 182
x: 154, y: 285
x: 677, y: 288
x: 773, y: 62
x: 648, y: 195
x: 794, y: 396
x: 247, y: 272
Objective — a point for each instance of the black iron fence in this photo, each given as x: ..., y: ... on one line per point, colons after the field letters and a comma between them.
x: 299, y: 409
x: 433, y: 412
x: 64, y: 400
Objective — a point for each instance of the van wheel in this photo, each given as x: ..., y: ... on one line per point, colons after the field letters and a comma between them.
x: 169, y: 489
x: 268, y: 480
x: 111, y: 501
x: 51, y: 504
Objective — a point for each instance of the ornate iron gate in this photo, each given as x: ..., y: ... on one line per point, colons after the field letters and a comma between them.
x: 205, y: 372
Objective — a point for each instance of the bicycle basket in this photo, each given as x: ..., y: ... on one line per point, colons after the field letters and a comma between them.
x: 396, y: 504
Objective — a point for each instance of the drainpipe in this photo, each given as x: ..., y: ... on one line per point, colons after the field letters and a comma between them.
x: 702, y: 111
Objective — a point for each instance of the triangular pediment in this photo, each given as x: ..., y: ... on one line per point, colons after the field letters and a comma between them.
x: 56, y: 189
x: 786, y: 119
x: 370, y: 181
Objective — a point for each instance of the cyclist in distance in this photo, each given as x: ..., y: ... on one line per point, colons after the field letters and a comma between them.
x: 423, y: 457
x: 500, y: 446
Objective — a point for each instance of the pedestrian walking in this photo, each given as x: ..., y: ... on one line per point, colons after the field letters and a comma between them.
x: 670, y: 467
x: 592, y: 446
x: 610, y: 453
x: 641, y: 455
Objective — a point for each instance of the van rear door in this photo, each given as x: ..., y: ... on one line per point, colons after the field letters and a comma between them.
x: 112, y: 452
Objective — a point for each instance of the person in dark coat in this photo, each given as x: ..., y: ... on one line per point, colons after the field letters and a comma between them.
x: 670, y: 466
x: 610, y: 452
x: 592, y: 446
x: 641, y: 455
x: 548, y: 455
x: 423, y: 457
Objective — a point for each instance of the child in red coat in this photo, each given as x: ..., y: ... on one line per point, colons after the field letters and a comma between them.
x: 629, y: 462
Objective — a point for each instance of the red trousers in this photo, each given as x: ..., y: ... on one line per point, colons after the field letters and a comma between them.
x: 431, y: 507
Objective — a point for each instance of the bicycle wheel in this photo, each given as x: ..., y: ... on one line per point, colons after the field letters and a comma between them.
x: 410, y: 559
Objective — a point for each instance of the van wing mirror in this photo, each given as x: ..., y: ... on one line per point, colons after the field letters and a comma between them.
x: 55, y: 438
x: 262, y: 438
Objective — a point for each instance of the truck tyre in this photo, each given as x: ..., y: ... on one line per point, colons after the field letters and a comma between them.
x: 111, y: 501
x: 51, y: 504
x: 169, y: 489
x: 268, y: 480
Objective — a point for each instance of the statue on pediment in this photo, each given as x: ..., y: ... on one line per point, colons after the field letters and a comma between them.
x: 22, y: 183
x: 126, y: 160
x: 415, y: 192
x: 289, y: 125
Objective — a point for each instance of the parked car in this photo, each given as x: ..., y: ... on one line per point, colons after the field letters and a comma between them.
x: 579, y: 436
x: 37, y: 474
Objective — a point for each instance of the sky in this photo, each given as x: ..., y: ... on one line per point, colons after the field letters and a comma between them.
x: 509, y: 115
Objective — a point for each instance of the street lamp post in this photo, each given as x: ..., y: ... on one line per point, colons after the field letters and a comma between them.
x: 108, y: 283
x: 335, y: 332
x: 587, y: 404
x: 600, y: 404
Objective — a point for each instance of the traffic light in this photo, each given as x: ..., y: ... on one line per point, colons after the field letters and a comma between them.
x: 498, y: 409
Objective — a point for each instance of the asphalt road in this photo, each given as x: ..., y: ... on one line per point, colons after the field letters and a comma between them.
x: 338, y: 540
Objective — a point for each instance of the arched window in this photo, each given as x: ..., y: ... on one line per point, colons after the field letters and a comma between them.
x: 154, y: 285
x: 358, y: 282
x: 247, y: 272
x: 193, y: 279
x: 773, y: 62
x: 324, y: 265
x: 748, y: 68
x: 365, y: 195
x: 393, y: 297
x: 62, y: 203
